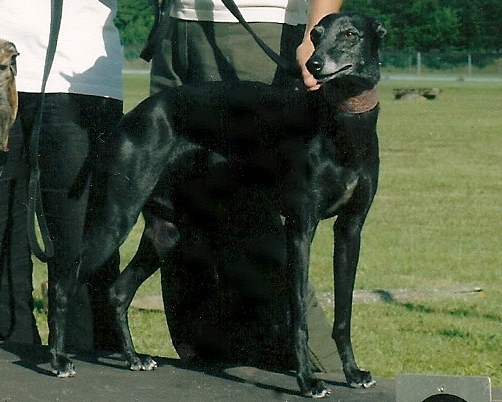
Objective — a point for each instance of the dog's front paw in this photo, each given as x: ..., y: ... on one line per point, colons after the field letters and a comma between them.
x: 359, y: 378
x: 317, y: 389
x: 62, y: 367
x: 144, y: 364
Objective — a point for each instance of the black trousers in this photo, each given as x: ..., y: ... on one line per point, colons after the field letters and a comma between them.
x: 74, y: 134
x: 17, y: 323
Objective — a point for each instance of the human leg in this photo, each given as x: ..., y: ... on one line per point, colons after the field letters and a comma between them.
x: 73, y: 128
x: 17, y: 322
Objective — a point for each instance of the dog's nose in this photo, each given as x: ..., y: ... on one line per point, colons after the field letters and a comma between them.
x: 315, y: 64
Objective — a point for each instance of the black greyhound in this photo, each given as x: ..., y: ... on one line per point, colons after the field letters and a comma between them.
x: 325, y: 160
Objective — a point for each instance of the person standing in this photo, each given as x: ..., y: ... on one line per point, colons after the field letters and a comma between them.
x: 83, y: 103
x: 204, y: 42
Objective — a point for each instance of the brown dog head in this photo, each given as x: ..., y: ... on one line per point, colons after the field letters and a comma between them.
x: 8, y: 91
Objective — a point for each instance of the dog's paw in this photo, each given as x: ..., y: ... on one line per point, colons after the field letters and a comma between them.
x: 145, y: 364
x: 149, y: 364
x: 359, y: 379
x: 317, y: 390
x: 63, y: 367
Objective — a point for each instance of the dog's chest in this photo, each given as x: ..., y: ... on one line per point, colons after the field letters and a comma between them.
x: 334, y: 181
x: 341, y: 193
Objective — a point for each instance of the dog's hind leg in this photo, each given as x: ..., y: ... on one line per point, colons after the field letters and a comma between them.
x: 134, y: 163
x: 159, y: 238
x: 142, y: 266
x: 111, y: 218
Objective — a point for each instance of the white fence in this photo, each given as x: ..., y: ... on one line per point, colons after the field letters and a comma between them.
x: 467, y: 64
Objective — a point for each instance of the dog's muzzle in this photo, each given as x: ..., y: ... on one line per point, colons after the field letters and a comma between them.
x: 316, y: 65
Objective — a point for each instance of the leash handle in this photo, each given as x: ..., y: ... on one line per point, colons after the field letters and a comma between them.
x: 160, y: 26
x: 35, y: 207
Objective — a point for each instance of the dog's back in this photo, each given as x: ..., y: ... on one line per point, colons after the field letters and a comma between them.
x: 230, y: 117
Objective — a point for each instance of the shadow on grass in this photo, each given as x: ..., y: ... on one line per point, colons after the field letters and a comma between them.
x: 388, y: 298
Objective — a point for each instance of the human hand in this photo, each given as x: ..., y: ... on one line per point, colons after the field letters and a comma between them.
x: 303, y: 53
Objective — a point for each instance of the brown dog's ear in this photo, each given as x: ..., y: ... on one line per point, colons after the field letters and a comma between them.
x: 379, y: 29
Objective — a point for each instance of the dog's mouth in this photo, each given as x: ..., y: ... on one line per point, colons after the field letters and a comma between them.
x: 322, y: 78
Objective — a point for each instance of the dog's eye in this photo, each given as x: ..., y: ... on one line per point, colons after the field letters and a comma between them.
x: 316, y: 34
x: 349, y: 35
x: 3, y: 67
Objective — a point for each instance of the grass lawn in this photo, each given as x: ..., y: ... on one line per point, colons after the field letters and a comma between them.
x: 436, y: 222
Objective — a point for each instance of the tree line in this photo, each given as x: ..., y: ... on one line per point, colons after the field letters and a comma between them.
x: 412, y: 25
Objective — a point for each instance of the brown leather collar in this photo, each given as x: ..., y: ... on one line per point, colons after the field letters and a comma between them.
x: 361, y: 103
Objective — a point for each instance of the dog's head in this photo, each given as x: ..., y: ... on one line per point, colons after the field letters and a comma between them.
x: 346, y: 45
x: 8, y: 91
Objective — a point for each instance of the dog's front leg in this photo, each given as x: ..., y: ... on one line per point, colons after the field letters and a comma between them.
x: 346, y: 255
x: 299, y: 231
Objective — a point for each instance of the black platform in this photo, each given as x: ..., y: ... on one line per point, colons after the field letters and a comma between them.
x: 25, y: 376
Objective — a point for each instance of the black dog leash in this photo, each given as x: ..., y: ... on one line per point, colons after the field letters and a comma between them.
x: 161, y: 26
x: 35, y: 208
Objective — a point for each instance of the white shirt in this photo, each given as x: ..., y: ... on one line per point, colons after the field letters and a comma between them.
x: 88, y: 57
x: 291, y: 12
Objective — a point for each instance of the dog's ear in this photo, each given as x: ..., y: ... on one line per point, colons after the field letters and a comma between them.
x: 316, y: 34
x: 11, y: 48
x: 379, y: 29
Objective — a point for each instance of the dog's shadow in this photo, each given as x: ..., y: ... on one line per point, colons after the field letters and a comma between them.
x: 263, y: 378
x: 37, y: 359
x: 31, y: 357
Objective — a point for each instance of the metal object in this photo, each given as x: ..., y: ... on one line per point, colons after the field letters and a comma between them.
x: 435, y: 388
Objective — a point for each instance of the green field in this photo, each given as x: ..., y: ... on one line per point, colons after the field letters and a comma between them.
x: 435, y: 223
